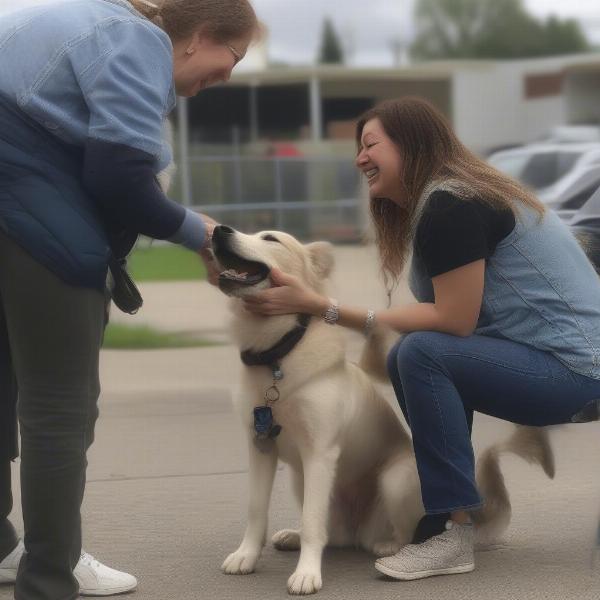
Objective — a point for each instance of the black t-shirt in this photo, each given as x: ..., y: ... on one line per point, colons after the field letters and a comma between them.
x: 453, y: 232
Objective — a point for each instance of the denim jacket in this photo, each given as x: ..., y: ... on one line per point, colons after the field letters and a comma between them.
x: 89, y: 98
x: 540, y: 289
x: 67, y: 84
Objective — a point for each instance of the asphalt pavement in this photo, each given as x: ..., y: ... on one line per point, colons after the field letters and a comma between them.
x: 167, y: 477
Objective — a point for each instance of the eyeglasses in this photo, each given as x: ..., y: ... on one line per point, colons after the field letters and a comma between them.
x: 237, y: 55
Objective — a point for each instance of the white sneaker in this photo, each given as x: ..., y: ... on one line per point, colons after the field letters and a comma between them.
x: 10, y: 564
x: 95, y: 579
x: 444, y: 554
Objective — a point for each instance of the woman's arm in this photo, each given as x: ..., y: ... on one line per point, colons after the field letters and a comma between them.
x: 458, y: 297
x: 128, y: 91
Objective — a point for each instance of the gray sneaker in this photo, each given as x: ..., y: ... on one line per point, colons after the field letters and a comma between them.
x: 444, y: 554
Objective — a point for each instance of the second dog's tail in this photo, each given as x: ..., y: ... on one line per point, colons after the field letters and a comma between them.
x: 531, y: 444
x: 375, y: 350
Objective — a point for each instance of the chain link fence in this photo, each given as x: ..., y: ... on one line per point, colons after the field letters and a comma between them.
x: 310, y: 198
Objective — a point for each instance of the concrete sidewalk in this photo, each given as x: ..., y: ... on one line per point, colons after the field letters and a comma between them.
x: 167, y: 481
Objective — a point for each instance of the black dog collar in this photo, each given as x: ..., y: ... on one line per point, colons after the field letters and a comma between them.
x: 281, y: 349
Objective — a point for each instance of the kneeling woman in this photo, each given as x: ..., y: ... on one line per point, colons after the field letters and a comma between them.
x: 507, y: 321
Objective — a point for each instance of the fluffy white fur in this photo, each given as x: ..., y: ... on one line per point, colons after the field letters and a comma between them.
x: 351, y: 460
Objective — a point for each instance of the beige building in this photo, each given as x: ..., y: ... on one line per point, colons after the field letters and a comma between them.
x: 490, y: 103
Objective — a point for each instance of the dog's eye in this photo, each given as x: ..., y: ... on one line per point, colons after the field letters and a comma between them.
x: 270, y: 238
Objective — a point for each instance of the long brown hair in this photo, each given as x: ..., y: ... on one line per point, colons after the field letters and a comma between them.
x: 223, y: 20
x: 430, y: 153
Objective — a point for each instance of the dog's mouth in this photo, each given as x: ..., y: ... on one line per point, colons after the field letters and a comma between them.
x: 239, y: 272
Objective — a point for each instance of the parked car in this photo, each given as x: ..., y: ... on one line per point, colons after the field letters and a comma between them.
x: 585, y: 224
x: 563, y: 175
x: 562, y: 134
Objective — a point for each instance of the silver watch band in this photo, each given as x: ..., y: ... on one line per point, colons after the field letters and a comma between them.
x: 332, y: 314
x: 369, y: 322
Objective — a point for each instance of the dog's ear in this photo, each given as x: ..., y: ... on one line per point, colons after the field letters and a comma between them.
x: 321, y: 258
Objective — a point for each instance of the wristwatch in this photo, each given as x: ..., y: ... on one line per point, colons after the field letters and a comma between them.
x: 332, y: 314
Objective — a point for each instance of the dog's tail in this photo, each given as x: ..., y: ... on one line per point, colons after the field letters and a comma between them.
x: 531, y: 444
x: 374, y: 353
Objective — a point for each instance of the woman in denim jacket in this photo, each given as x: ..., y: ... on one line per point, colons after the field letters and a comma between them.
x: 85, y: 88
x: 507, y: 319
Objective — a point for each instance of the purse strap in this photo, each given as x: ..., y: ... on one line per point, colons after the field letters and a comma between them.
x: 125, y: 294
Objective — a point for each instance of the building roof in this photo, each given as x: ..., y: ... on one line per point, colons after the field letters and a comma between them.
x: 427, y: 71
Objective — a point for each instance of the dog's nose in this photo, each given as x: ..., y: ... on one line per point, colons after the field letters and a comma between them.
x: 221, y: 236
x: 225, y: 230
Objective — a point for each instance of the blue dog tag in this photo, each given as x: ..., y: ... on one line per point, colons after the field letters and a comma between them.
x: 263, y: 420
x: 275, y: 431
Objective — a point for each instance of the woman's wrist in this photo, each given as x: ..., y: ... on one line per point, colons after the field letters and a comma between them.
x: 209, y: 227
x: 319, y: 306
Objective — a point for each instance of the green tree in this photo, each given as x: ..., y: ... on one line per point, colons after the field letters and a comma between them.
x: 490, y: 29
x: 330, y: 51
x: 565, y: 36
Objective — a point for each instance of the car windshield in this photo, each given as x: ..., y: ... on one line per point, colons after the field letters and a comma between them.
x: 537, y: 171
x: 591, y: 208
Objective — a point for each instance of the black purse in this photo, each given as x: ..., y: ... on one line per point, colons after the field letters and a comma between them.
x: 123, y: 290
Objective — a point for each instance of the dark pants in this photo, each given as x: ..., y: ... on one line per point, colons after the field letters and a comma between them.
x: 8, y: 440
x: 441, y: 379
x: 54, y: 337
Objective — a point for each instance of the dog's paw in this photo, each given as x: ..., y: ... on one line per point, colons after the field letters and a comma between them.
x: 387, y: 548
x: 287, y: 539
x: 239, y: 563
x: 304, y: 582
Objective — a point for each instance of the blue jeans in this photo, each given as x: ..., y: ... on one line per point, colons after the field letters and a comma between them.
x: 441, y: 379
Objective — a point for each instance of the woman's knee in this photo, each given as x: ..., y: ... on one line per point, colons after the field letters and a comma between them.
x: 392, y: 361
x: 56, y: 416
x: 410, y: 349
x: 417, y: 347
x: 394, y: 374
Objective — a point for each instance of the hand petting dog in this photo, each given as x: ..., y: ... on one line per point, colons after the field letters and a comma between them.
x: 206, y: 253
x: 287, y: 296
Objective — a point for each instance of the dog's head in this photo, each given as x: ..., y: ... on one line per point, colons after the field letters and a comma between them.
x: 247, y: 260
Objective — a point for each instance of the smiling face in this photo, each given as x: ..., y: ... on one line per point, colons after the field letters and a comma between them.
x: 199, y: 62
x: 381, y: 162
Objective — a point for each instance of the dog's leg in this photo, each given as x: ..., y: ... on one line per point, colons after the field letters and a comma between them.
x: 319, y: 474
x: 261, y: 474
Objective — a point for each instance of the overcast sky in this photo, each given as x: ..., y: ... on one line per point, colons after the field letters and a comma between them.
x: 367, y: 27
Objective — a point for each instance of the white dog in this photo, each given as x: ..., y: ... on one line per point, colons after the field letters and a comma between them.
x: 351, y: 460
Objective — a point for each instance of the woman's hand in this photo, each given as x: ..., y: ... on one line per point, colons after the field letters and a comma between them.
x: 288, y: 296
x: 206, y: 253
x: 212, y: 272
x: 210, y: 225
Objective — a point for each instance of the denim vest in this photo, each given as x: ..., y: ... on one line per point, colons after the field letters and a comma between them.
x: 71, y: 71
x: 540, y: 290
